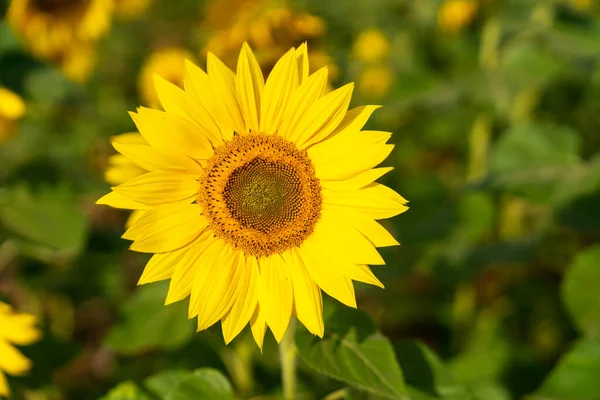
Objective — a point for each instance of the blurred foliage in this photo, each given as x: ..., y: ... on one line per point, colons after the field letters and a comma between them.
x: 495, y: 110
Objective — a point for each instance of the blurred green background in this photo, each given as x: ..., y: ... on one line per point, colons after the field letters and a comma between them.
x: 495, y: 291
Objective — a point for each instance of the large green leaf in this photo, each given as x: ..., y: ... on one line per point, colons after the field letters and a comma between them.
x: 424, y: 371
x: 577, y: 376
x: 205, y: 384
x: 147, y: 323
x: 534, y: 160
x: 354, y: 352
x: 126, y: 391
x: 580, y: 291
x: 47, y: 222
x: 163, y: 383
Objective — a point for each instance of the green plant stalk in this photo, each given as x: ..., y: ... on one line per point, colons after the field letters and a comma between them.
x: 287, y: 354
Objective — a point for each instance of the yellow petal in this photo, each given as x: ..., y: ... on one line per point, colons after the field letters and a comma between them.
x: 275, y: 294
x: 361, y: 273
x: 160, y: 267
x: 117, y: 200
x: 12, y: 361
x: 249, y: 86
x: 171, y: 132
x: 223, y: 85
x: 281, y: 83
x: 152, y: 159
x: 245, y: 304
x: 183, y: 277
x: 302, y: 61
x: 344, y: 156
x: 325, y: 275
x: 121, y: 169
x: 301, y: 100
x: 133, y: 218
x: 372, y: 230
x: 355, y: 119
x: 341, y: 241
x: 258, y: 325
x: 129, y: 138
x: 375, y: 200
x: 155, y: 188
x: 166, y: 228
x: 176, y: 101
x: 308, y: 302
x: 358, y: 181
x: 198, y: 85
x: 19, y: 329
x: 4, y: 389
x: 323, y: 116
x: 216, y: 284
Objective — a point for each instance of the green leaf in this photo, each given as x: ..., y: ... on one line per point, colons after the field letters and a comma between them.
x: 204, y: 383
x: 534, y: 160
x: 580, y: 291
x: 577, y: 375
x: 147, y: 323
x: 48, y: 221
x: 527, y: 64
x: 354, y: 352
x: 126, y: 391
x: 424, y: 371
x: 163, y: 383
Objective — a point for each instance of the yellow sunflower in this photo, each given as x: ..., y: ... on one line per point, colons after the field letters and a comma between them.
x: 167, y: 62
x: 15, y: 329
x: 270, y: 28
x: 454, y: 15
x: 259, y: 195
x: 131, y: 8
x: 12, y: 108
x: 52, y: 27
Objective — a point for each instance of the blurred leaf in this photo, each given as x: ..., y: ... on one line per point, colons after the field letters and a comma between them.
x: 163, y: 383
x: 204, y: 383
x: 577, y: 375
x: 126, y: 391
x: 580, y: 291
x: 49, y: 218
x: 147, y: 323
x: 575, y: 41
x: 425, y: 371
x: 533, y: 160
x: 528, y: 64
x: 354, y: 352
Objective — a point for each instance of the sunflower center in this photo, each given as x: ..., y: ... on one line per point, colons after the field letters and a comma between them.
x: 52, y: 6
x: 260, y: 194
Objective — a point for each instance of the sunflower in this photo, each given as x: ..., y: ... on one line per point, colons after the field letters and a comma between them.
x: 271, y: 29
x: 19, y: 329
x: 12, y: 108
x: 454, y: 15
x: 131, y: 8
x: 54, y: 27
x: 259, y: 195
x: 167, y: 62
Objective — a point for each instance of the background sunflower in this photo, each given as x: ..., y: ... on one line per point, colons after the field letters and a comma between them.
x: 494, y: 113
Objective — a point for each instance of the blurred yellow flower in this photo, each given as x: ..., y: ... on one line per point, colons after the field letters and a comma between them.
x: 271, y: 29
x: 15, y: 329
x: 131, y: 8
x: 12, y: 108
x: 371, y: 46
x: 375, y: 81
x: 167, y: 62
x: 261, y: 196
x: 53, y: 27
x: 78, y: 62
x: 582, y: 4
x: 454, y: 15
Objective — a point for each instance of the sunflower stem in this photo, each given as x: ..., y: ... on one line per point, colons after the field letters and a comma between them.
x: 287, y: 354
